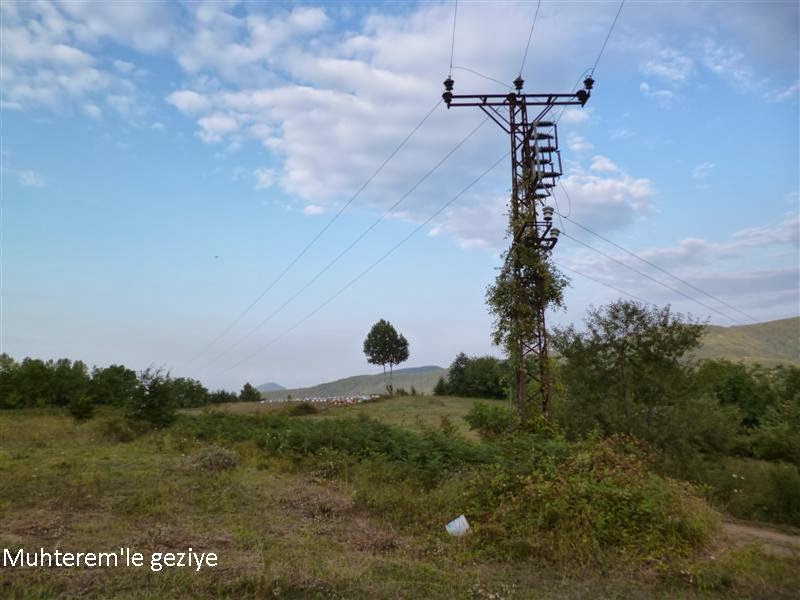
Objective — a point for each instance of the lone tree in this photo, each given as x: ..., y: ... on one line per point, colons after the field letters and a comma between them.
x: 249, y: 394
x: 384, y: 346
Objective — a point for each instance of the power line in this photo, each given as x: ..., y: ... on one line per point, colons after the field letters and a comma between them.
x: 474, y: 72
x: 644, y: 260
x: 645, y: 275
x: 453, y: 43
x: 363, y: 234
x: 602, y: 49
x: 317, y: 236
x: 601, y: 282
x: 530, y: 36
x: 374, y: 264
x: 654, y: 265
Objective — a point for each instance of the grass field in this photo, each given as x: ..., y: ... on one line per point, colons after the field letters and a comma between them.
x: 281, y: 528
x: 417, y: 413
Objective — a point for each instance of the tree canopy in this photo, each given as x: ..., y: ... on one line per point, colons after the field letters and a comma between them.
x: 474, y: 377
x: 384, y: 346
x: 249, y: 394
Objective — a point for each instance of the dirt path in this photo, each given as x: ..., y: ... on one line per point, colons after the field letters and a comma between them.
x: 779, y: 544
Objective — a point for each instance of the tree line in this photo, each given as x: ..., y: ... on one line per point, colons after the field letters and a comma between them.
x: 629, y: 372
x: 151, y: 395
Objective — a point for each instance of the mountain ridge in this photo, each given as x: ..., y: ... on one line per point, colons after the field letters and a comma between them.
x: 422, y: 379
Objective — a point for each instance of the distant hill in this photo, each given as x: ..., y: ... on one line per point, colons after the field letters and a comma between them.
x: 769, y: 344
x: 422, y: 379
x: 270, y: 387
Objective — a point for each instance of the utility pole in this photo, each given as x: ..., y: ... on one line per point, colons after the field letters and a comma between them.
x: 535, y: 168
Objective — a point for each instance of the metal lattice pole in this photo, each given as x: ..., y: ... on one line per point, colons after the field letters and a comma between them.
x: 535, y: 166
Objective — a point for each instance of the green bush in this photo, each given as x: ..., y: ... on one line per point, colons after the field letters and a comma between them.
x: 755, y: 489
x: 474, y: 377
x: 778, y: 437
x: 81, y: 407
x: 594, y: 502
x: 489, y: 420
x: 116, y: 428
x: 155, y: 402
x: 302, y: 408
x: 424, y: 457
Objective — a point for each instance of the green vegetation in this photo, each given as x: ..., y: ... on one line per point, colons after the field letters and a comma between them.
x: 527, y: 285
x: 384, y: 346
x: 319, y: 507
x: 490, y: 420
x: 249, y: 394
x: 474, y: 377
x: 151, y: 396
x: 704, y: 422
x: 620, y: 496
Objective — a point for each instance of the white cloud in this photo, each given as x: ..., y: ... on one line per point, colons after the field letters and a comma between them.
x: 42, y: 63
x: 575, y: 116
x: 578, y: 143
x: 144, y: 25
x: 265, y: 178
x: 716, y: 267
x: 609, y: 202
x: 781, y: 95
x: 670, y: 65
x: 663, y: 97
x: 308, y: 19
x: 603, y: 165
x: 730, y: 65
x: 244, y: 49
x: 188, y: 101
x: 123, y: 66
x: 476, y: 224
x: 786, y: 232
x: 30, y: 178
x: 216, y: 126
x: 313, y: 209
x: 157, y: 126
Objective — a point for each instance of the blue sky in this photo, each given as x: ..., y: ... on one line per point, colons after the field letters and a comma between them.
x: 163, y: 163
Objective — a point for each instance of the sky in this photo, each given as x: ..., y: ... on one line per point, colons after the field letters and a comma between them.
x: 216, y: 187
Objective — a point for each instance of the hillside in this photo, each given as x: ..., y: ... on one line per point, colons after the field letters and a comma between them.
x: 769, y: 344
x: 422, y: 379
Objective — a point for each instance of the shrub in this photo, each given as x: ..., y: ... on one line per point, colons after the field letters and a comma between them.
x: 424, y: 457
x: 81, y: 407
x: 214, y: 458
x: 440, y: 389
x: 474, y: 377
x: 593, y: 503
x: 155, y: 403
x: 446, y: 426
x: 756, y: 489
x: 301, y: 408
x: 489, y: 420
x: 116, y: 428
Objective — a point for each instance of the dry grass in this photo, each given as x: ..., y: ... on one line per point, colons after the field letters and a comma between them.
x: 414, y: 412
x: 278, y: 532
